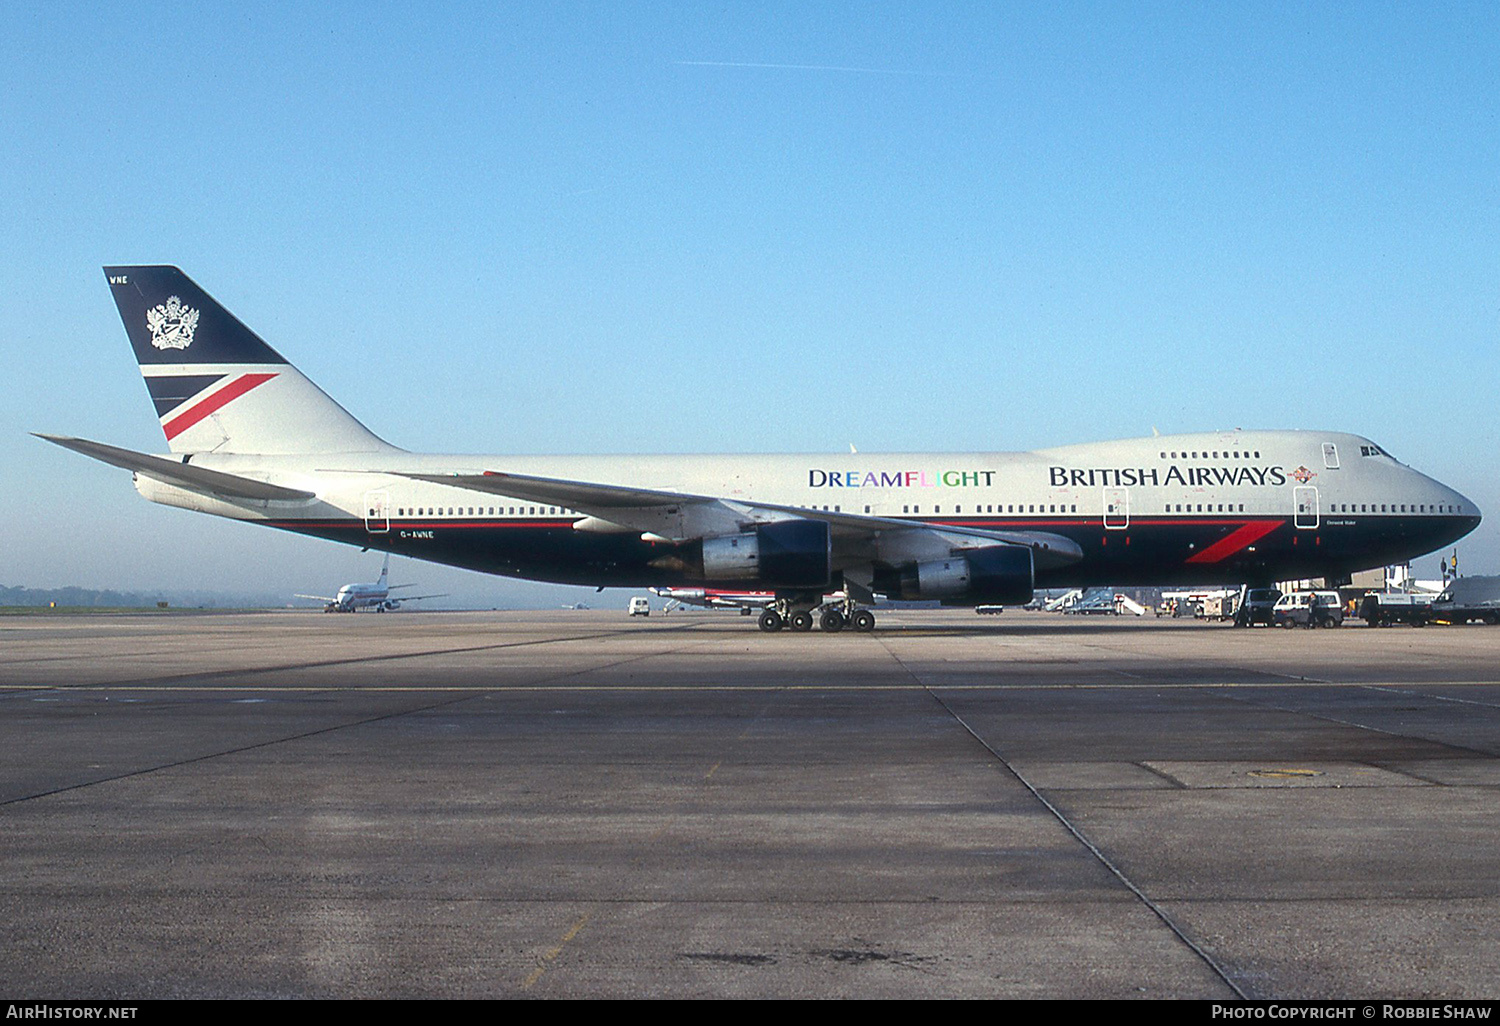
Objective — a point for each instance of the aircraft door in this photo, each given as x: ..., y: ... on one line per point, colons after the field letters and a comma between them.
x: 1305, y: 503
x: 378, y: 512
x: 1116, y: 509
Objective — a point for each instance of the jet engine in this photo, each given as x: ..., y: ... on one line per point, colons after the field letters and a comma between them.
x: 999, y: 574
x: 785, y: 554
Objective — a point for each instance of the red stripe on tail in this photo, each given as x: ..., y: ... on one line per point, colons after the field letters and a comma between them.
x: 224, y: 396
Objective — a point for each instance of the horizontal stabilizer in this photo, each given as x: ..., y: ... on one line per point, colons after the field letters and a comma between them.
x: 197, y: 479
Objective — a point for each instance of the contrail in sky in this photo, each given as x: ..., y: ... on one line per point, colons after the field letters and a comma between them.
x: 805, y: 67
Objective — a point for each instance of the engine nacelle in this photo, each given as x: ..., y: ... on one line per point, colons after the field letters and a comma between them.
x: 786, y: 554
x: 999, y: 574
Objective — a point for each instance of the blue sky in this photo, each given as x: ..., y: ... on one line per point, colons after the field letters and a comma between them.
x: 652, y: 227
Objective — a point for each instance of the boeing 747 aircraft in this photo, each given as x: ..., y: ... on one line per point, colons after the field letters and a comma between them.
x: 252, y: 439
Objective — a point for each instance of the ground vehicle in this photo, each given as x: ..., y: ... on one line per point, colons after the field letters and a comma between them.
x: 1309, y: 609
x: 989, y: 610
x: 1469, y: 598
x: 1219, y: 606
x: 1258, y: 606
x: 1383, y: 608
x: 640, y: 606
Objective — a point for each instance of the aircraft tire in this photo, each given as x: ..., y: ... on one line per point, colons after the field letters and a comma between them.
x: 863, y: 621
x: 832, y: 621
x: 801, y: 620
x: 770, y: 621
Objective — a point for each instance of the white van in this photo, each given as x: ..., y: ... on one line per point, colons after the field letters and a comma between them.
x: 1309, y: 609
x: 640, y: 606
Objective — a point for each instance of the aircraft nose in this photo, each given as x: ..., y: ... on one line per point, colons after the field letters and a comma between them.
x: 1465, y: 516
x: 1468, y: 511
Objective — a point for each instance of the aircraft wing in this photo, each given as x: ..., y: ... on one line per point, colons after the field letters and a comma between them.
x: 184, y: 475
x: 320, y: 598
x: 416, y: 598
x: 681, y: 516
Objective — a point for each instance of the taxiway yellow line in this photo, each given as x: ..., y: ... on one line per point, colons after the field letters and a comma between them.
x: 549, y: 956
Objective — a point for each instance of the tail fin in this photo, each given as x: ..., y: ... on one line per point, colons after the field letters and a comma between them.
x: 385, y: 569
x: 216, y: 384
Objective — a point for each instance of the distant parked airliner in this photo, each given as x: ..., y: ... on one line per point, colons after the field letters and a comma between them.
x: 376, y: 595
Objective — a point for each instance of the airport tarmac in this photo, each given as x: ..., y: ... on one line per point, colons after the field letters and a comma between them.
x: 577, y: 804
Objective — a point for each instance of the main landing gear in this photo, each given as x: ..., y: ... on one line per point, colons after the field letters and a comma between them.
x: 832, y: 616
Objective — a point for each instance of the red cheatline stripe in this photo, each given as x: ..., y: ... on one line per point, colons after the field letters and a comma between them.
x: 1228, y: 546
x: 230, y: 392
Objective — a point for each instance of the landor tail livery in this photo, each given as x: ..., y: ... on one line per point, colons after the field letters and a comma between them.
x: 216, y: 385
x: 252, y: 439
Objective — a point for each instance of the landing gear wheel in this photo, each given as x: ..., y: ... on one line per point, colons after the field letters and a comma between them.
x: 771, y: 621
x: 832, y: 621
x: 864, y: 621
x: 800, y: 621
